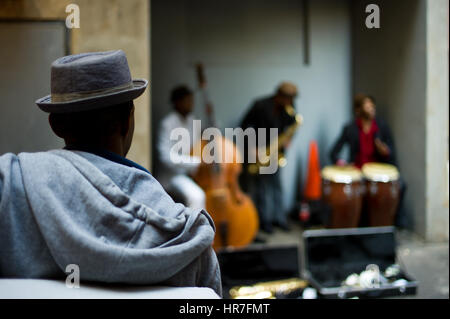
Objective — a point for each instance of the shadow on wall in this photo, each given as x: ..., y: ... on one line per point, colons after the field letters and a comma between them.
x: 390, y: 64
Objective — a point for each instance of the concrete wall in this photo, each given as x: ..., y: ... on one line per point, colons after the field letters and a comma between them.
x: 392, y: 63
x: 25, y: 75
x: 437, y: 195
x: 247, y: 48
x: 105, y: 25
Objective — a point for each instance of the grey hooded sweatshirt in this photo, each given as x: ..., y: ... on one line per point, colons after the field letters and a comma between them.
x: 115, y: 222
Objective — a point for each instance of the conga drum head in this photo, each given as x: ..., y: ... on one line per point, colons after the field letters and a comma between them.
x: 380, y: 172
x: 341, y: 174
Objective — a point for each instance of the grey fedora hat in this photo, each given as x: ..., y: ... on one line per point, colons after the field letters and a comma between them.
x: 89, y: 81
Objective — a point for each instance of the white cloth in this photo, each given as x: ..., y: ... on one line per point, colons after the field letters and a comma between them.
x: 194, y: 195
x: 173, y: 174
x: 57, y: 289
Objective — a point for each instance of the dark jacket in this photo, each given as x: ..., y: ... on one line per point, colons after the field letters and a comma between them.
x: 264, y: 114
x: 350, y: 136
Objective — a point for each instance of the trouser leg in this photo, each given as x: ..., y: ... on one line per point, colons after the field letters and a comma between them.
x: 193, y: 194
x: 256, y: 187
x: 277, y: 204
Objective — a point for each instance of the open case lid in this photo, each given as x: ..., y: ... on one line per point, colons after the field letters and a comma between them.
x: 259, y: 263
x: 333, y: 254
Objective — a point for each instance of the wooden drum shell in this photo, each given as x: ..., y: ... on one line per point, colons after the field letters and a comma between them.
x: 382, y: 199
x: 345, y: 201
x: 383, y: 193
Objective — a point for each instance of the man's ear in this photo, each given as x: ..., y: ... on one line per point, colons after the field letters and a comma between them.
x: 56, y: 126
x: 127, y: 122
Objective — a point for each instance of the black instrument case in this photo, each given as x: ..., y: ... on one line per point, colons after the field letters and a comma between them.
x: 331, y: 255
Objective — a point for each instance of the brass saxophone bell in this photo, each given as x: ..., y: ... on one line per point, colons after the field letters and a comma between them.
x: 282, y: 161
x: 277, y: 144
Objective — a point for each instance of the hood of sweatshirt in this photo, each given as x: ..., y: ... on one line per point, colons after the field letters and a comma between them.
x: 115, y: 222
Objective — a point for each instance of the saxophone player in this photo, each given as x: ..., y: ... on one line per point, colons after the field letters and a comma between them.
x: 274, y: 111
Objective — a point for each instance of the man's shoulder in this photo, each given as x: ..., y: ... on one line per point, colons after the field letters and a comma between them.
x: 169, y: 117
x: 350, y: 126
x: 261, y: 106
x: 12, y: 157
x: 7, y: 163
x: 169, y: 121
x: 174, y: 119
x: 7, y: 157
x: 381, y: 123
x: 266, y: 101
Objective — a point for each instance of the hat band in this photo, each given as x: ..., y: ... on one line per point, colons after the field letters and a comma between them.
x: 66, y: 97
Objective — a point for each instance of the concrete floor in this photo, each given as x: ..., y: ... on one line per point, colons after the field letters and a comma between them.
x: 428, y: 263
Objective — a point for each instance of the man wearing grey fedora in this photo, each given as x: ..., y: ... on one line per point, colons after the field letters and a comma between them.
x: 87, y: 204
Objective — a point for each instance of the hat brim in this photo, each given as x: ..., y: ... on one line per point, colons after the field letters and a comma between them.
x: 93, y: 103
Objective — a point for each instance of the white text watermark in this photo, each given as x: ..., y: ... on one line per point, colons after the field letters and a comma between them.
x: 217, y: 151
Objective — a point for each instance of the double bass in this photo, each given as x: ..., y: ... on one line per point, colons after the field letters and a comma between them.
x: 233, y: 212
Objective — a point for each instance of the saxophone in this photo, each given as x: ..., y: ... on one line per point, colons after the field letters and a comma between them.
x: 278, y: 143
x: 268, y: 290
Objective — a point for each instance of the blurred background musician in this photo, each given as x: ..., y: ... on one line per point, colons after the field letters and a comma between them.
x: 274, y: 111
x: 174, y: 175
x: 368, y: 136
x: 370, y: 140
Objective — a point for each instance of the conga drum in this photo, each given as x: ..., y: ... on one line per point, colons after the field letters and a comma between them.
x: 343, y: 191
x: 382, y: 196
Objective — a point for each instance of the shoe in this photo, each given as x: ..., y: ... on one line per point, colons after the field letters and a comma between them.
x: 259, y: 240
x: 267, y: 229
x: 283, y: 226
